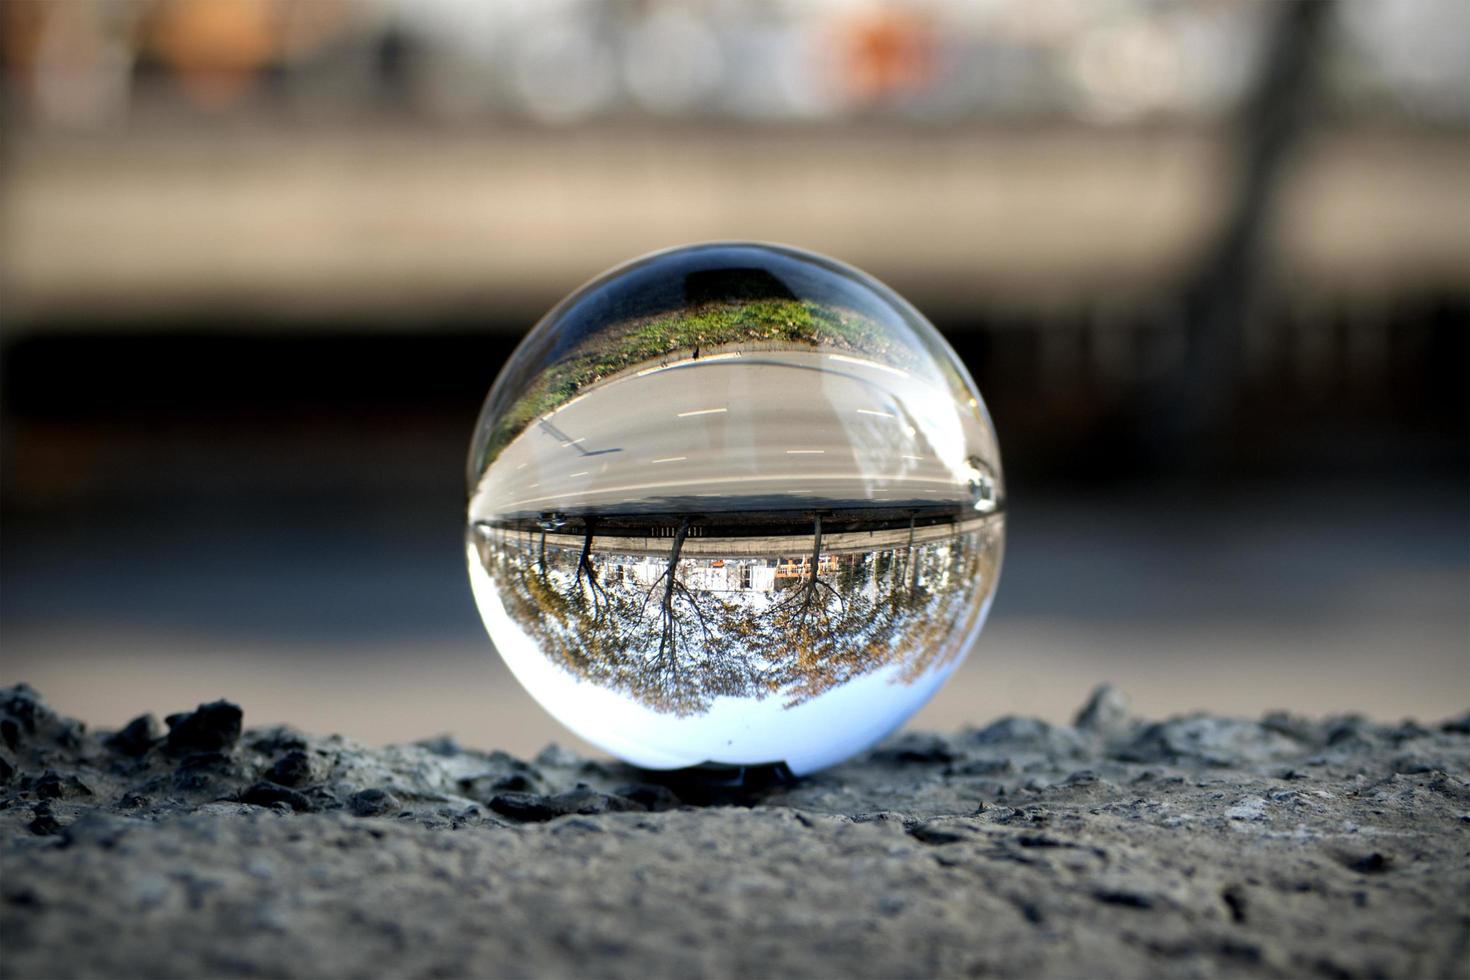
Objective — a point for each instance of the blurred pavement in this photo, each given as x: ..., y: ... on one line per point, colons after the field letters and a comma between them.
x: 1277, y: 596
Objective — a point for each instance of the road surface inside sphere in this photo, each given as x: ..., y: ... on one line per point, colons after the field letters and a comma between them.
x: 729, y: 431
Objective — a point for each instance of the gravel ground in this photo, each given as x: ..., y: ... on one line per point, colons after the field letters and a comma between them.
x: 1197, y: 846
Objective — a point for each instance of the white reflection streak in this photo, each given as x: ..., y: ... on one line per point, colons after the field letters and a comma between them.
x: 868, y: 364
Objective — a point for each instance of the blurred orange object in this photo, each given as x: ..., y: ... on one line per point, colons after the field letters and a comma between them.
x: 216, y: 47
x: 884, y: 53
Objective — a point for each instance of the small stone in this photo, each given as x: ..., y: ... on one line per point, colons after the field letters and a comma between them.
x: 1105, y: 712
x: 1407, y: 731
x: 1043, y: 841
x: 43, y: 821
x: 1031, y: 912
x: 268, y: 794
x: 1447, y: 785
x: 373, y: 802
x: 1234, y: 899
x: 534, y: 808
x: 516, y: 782
x: 441, y: 745
x: 650, y: 796
x: 53, y: 786
x: 1248, y: 809
x: 1457, y: 726
x: 191, y: 782
x: 891, y: 905
x: 1013, y: 733
x: 982, y: 767
x: 211, y: 728
x: 277, y: 739
x: 291, y: 769
x: 933, y: 835
x: 915, y: 748
x: 23, y: 898
x: 146, y: 891
x: 1353, y: 730
x: 136, y: 737
x: 1206, y: 740
x: 588, y: 801
x: 48, y: 785
x: 1295, y: 727
x: 1130, y: 900
x: 96, y: 829
x: 1369, y: 864
x: 261, y: 867
x: 525, y: 807
x: 24, y: 707
x: 205, y: 762
x: 69, y: 733
x: 270, y: 917
x: 1413, y: 765
x: 556, y: 757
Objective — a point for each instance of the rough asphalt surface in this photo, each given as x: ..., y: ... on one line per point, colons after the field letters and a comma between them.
x: 1196, y: 847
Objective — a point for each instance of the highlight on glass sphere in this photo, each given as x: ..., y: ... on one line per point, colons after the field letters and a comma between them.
x: 734, y: 505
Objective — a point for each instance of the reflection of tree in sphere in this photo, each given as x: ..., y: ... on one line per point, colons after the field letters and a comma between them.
x: 734, y: 504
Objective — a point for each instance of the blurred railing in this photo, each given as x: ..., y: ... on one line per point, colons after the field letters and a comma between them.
x: 388, y: 223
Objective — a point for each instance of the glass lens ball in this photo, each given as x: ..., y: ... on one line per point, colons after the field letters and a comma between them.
x: 734, y: 505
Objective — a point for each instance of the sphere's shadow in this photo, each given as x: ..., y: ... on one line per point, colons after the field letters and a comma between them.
x: 716, y: 785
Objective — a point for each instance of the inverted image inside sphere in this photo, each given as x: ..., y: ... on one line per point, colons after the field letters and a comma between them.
x: 734, y: 505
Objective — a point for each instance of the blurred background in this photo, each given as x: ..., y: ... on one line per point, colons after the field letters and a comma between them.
x: 260, y: 261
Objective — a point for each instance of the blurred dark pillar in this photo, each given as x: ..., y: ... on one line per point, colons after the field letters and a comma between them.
x: 1189, y: 413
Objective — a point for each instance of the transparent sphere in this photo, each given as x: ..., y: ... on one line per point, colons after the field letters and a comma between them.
x: 734, y: 505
